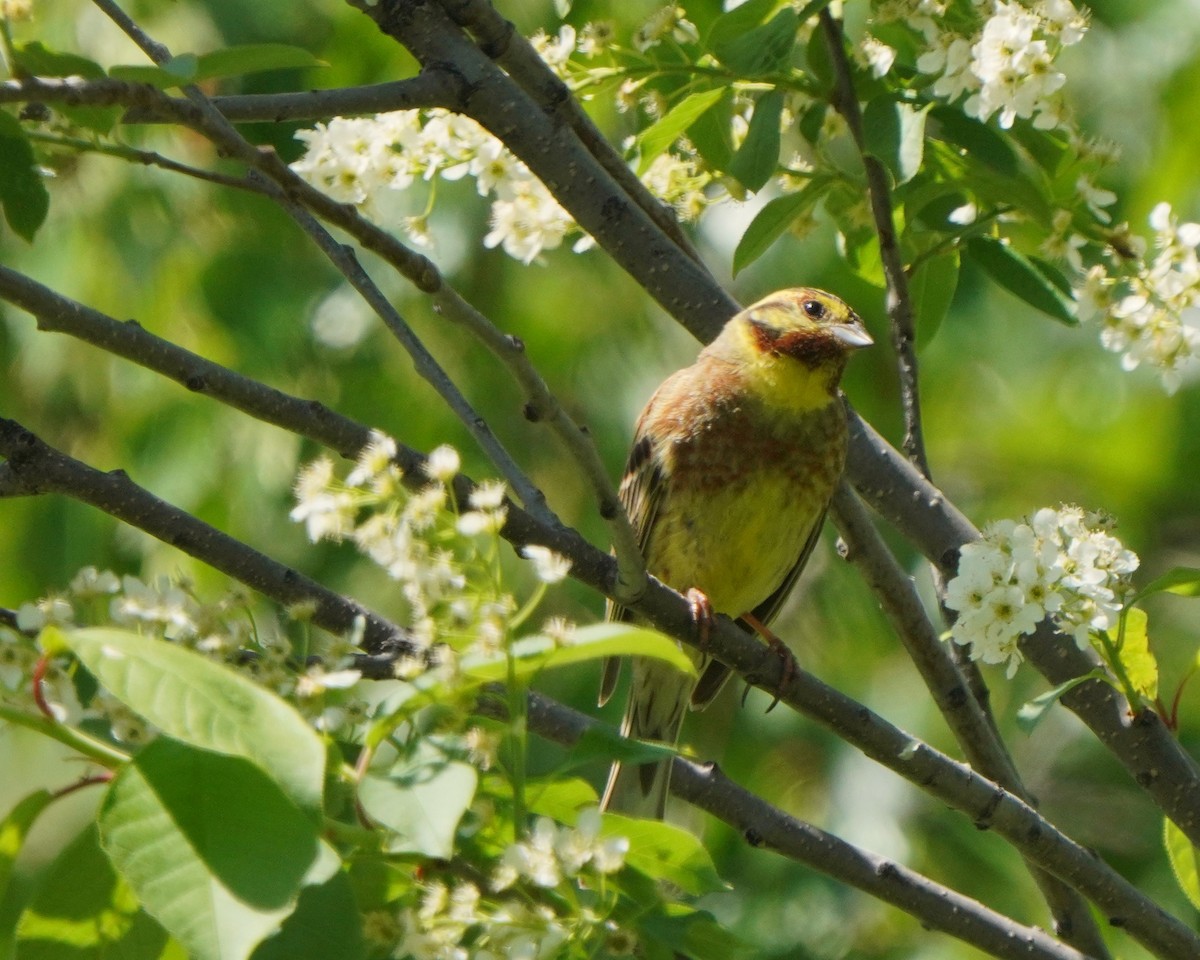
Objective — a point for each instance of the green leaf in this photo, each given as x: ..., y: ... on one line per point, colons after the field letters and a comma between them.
x: 211, y: 846
x: 208, y: 705
x: 174, y: 73
x: 22, y: 192
x: 665, y: 852
x: 326, y: 923
x: 1031, y: 713
x: 894, y: 133
x: 931, y: 288
x: 14, y: 828
x: 711, y: 133
x: 421, y: 798
x: 692, y: 933
x: 665, y: 131
x: 253, y: 58
x: 1134, y: 652
x: 976, y: 138
x: 604, y: 743
x: 83, y: 908
x: 759, y: 51
x: 560, y: 799
x: 593, y: 642
x: 1184, y: 861
x: 36, y: 60
x: 773, y: 221
x: 1019, y: 277
x: 758, y: 156
x: 1181, y: 581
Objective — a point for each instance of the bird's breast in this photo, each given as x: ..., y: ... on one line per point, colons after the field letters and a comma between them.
x: 744, y: 494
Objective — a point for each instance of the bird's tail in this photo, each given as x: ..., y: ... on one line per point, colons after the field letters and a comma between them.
x: 658, y: 699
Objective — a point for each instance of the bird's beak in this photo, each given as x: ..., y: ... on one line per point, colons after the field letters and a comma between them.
x: 851, y: 334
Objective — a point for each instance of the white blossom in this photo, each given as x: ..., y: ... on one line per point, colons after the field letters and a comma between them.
x: 1150, y: 311
x: 1059, y: 564
x: 551, y: 567
x: 1008, y: 67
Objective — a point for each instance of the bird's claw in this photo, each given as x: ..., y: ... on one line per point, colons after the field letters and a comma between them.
x: 787, y: 668
x: 780, y: 649
x: 702, y: 616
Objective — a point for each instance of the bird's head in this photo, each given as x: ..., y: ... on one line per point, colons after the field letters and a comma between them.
x: 793, y: 344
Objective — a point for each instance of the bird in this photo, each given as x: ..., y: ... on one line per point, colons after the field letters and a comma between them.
x: 733, y: 463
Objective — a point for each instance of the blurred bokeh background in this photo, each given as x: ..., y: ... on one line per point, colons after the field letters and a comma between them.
x: 1020, y: 413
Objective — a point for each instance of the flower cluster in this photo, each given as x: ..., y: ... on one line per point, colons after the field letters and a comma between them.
x: 1006, y: 66
x: 220, y: 630
x: 551, y: 853
x: 1150, y: 311
x: 363, y: 160
x: 457, y: 924
x: 1062, y: 564
x: 443, y: 558
x: 449, y: 918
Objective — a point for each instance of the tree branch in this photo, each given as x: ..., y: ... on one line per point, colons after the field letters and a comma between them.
x: 498, y: 38
x: 555, y: 155
x: 427, y: 89
x: 34, y: 467
x: 972, y: 726
x: 899, y: 303
x: 764, y: 825
x: 926, y: 768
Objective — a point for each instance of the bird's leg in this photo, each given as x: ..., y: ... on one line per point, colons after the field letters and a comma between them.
x: 777, y: 647
x: 702, y: 616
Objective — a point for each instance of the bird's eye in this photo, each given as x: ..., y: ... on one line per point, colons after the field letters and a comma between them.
x: 814, y: 308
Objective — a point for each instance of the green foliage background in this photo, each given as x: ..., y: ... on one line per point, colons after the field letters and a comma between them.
x: 1019, y: 412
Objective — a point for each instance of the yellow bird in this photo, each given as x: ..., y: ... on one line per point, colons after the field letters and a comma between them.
x: 733, y: 463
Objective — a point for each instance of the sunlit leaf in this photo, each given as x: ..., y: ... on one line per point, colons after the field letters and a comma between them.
x: 1136, y: 659
x: 773, y: 221
x: 420, y: 798
x: 207, y: 705
x: 83, y: 908
x: 665, y: 852
x: 14, y: 828
x: 593, y: 642
x: 1181, y: 581
x: 253, y: 58
x: 560, y: 799
x: 214, y: 850
x: 1184, y: 861
x: 665, y: 131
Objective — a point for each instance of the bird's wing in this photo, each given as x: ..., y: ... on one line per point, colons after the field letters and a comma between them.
x: 643, y: 489
x: 714, y: 675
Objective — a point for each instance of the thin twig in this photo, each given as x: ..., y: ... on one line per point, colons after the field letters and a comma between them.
x: 973, y: 727
x: 147, y: 158
x: 34, y: 467
x: 345, y: 260
x: 899, y: 303
x: 426, y: 90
